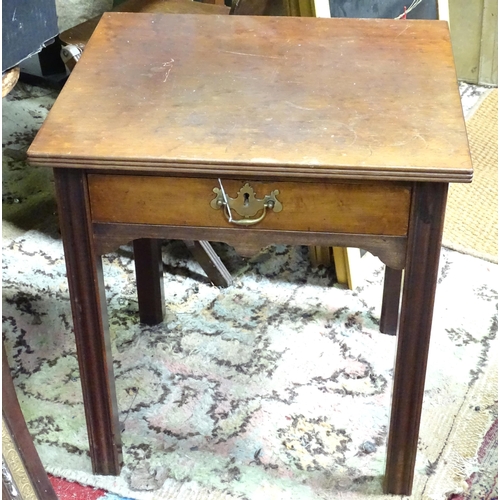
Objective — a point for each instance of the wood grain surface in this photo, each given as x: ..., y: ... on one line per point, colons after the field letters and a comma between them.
x: 367, y: 208
x: 316, y: 97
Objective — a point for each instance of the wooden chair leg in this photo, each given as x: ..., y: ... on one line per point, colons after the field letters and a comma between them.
x: 149, y: 274
x: 88, y: 304
x: 210, y: 262
x: 149, y: 277
x: 19, y: 454
x: 389, y: 316
x: 422, y: 264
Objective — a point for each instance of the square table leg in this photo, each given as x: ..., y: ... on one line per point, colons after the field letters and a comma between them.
x: 149, y: 279
x: 88, y: 303
x: 149, y: 274
x: 389, y: 316
x: 422, y: 264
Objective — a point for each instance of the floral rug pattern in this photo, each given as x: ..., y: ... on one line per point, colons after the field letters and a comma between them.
x: 277, y: 387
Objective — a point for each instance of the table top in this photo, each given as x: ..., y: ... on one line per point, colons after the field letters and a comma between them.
x: 270, y: 96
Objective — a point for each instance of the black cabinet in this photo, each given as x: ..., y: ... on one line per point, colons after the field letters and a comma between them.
x: 27, y: 26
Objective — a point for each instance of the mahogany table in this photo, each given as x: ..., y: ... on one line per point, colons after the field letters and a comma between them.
x: 252, y: 131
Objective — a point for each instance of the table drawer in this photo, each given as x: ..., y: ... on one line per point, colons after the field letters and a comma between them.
x: 368, y: 208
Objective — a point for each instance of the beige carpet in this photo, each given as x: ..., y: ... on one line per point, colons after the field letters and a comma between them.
x: 471, y: 224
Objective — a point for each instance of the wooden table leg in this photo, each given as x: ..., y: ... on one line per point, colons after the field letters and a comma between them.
x: 149, y: 277
x: 389, y: 317
x: 422, y: 263
x: 88, y: 303
x: 19, y: 454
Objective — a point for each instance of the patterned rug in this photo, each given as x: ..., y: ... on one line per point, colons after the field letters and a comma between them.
x: 277, y: 387
x: 484, y: 486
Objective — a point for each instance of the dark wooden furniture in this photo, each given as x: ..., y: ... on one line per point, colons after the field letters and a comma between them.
x: 24, y: 477
x: 26, y: 29
x: 354, y: 126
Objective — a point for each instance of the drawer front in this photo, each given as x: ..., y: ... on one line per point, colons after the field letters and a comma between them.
x: 364, y: 208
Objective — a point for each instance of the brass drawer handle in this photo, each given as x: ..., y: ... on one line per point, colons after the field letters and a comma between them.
x: 245, y: 204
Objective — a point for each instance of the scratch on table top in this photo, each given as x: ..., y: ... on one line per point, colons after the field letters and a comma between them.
x: 350, y: 129
x: 355, y: 137
x: 404, y: 142
x: 407, y: 26
x: 250, y: 54
x: 299, y: 107
x: 245, y: 77
x: 168, y: 65
x: 418, y: 136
